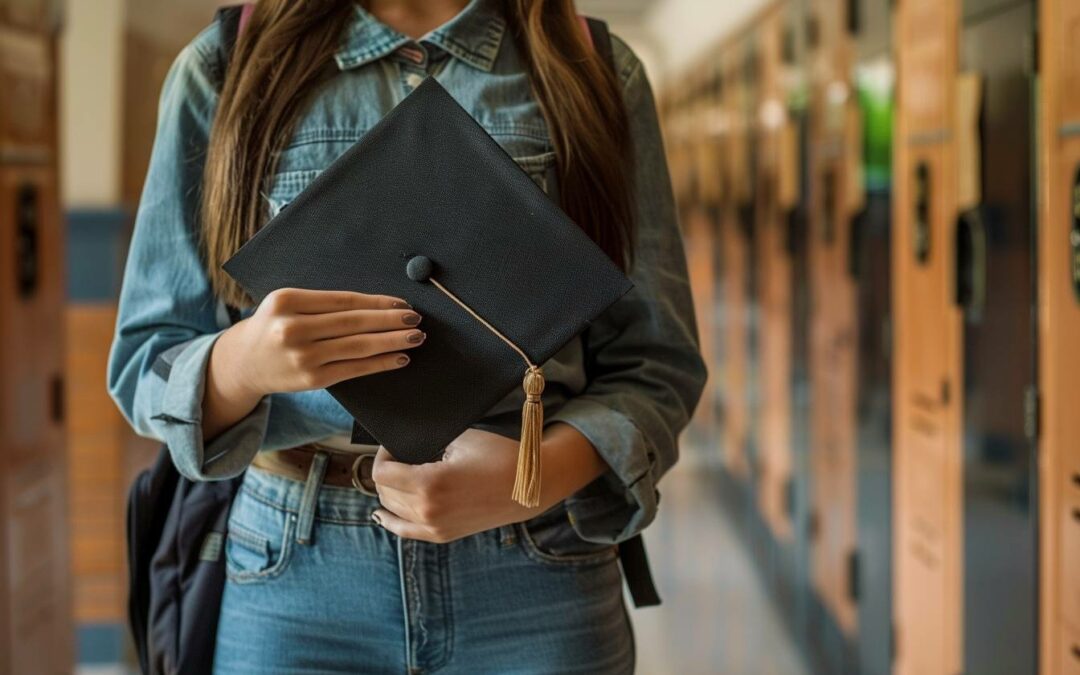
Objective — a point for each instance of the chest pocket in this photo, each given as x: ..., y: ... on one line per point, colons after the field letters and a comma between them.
x: 541, y: 168
x: 287, y: 184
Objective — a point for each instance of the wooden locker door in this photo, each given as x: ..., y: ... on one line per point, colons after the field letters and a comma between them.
x: 834, y: 327
x: 699, y: 252
x: 927, y: 458
x: 735, y: 248
x: 736, y: 411
x: 35, y: 630
x: 774, y: 272
x: 1059, y: 336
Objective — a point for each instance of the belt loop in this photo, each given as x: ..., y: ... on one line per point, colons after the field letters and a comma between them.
x: 309, y: 501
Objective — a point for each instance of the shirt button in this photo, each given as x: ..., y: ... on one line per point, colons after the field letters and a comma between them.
x: 414, y: 80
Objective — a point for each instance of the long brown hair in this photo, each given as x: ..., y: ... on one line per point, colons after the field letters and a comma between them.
x: 287, y: 49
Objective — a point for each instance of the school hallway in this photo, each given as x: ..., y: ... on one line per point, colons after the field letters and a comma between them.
x: 717, y: 616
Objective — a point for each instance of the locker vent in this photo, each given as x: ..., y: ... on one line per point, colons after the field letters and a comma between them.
x: 853, y: 576
x: 56, y: 396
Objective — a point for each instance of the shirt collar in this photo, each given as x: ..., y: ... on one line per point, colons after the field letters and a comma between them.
x: 473, y: 36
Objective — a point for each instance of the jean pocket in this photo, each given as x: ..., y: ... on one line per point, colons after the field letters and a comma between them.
x: 258, y: 545
x: 554, y: 542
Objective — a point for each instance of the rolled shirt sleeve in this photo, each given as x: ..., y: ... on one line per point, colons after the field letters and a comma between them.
x: 644, y: 362
x: 168, y: 318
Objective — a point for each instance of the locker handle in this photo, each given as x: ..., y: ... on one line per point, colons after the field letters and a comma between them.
x: 971, y: 264
x: 795, y: 222
x: 1074, y: 236
x: 27, y: 221
x: 828, y: 206
x: 920, y: 239
x: 856, y: 233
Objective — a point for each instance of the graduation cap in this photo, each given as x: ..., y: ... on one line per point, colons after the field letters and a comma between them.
x: 429, y: 208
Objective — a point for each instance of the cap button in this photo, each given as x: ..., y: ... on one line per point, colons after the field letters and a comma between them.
x: 419, y: 268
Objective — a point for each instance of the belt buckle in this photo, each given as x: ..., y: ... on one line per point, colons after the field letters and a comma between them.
x: 362, y: 481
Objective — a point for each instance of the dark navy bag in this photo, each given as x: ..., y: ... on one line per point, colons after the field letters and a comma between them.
x: 176, y: 535
x: 176, y: 532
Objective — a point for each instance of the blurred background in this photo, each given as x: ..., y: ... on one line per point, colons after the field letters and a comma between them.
x: 880, y: 201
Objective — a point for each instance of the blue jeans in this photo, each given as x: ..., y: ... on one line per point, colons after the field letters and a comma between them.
x: 314, y: 586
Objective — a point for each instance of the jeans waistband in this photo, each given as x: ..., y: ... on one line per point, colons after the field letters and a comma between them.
x: 334, y: 504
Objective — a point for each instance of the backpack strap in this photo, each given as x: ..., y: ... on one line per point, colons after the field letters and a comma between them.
x: 632, y: 555
x: 232, y: 19
x: 600, y: 38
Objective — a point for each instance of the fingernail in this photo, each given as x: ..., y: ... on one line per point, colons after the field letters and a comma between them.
x: 375, y: 517
x: 411, y: 319
x: 401, y: 304
x: 402, y: 360
x: 415, y: 337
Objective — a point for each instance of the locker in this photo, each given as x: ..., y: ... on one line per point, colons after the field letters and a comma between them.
x: 39, y: 15
x: 27, y: 117
x: 834, y: 327
x: 716, y: 139
x: 699, y: 233
x: 35, y: 630
x: 775, y: 199
x: 1067, y: 660
x: 736, y: 270
x: 746, y: 196
x: 702, y: 217
x: 994, y: 290
x: 873, y: 85
x: 1059, y: 333
x: 927, y: 466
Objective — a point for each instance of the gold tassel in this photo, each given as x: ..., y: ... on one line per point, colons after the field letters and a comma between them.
x: 527, y: 482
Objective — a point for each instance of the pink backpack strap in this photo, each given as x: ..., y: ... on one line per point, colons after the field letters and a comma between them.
x: 584, y: 21
x: 245, y: 16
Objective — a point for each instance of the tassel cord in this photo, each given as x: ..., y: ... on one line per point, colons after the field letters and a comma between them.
x: 527, y: 479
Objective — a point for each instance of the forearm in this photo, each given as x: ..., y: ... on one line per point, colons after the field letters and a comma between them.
x: 226, y: 399
x: 569, y: 462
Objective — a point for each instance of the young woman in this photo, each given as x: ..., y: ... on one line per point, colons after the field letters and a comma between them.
x: 337, y: 564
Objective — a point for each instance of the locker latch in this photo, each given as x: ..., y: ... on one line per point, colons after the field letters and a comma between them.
x: 828, y: 206
x: 970, y: 285
x: 27, y: 220
x: 1074, y: 236
x: 920, y: 239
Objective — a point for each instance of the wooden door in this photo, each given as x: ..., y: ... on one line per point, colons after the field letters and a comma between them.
x: 1059, y: 336
x: 927, y: 376
x: 833, y: 322
x: 35, y: 630
x: 35, y: 608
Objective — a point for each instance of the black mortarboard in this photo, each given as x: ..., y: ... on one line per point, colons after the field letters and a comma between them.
x: 429, y: 208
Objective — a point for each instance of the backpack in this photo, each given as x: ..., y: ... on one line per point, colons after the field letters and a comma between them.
x: 176, y: 527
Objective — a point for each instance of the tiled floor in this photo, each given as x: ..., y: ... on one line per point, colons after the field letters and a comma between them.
x: 716, y: 617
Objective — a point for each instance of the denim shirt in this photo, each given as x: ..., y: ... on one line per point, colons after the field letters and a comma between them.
x: 646, y: 373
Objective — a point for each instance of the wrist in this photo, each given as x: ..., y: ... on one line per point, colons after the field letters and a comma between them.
x: 569, y: 462
x: 227, y: 368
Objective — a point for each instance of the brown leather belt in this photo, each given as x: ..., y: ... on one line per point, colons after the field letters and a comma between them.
x: 344, y: 469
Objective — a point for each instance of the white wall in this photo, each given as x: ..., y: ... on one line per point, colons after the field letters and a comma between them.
x: 682, y: 30
x: 91, y: 58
